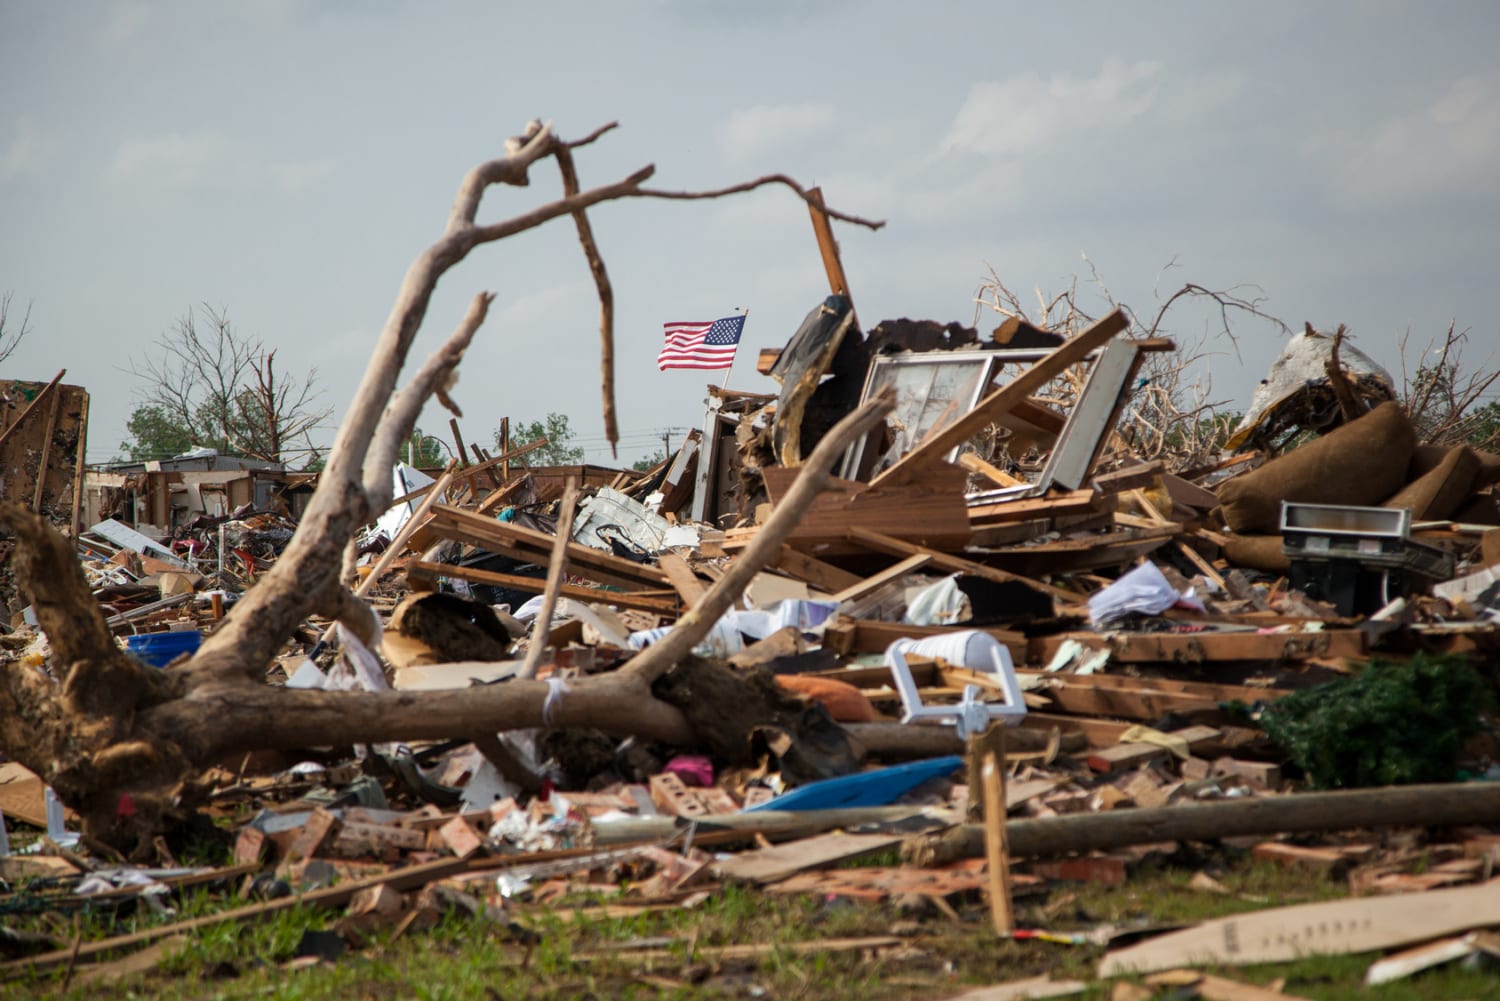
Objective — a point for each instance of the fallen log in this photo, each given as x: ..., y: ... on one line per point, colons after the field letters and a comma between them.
x: 1396, y: 806
x: 907, y: 741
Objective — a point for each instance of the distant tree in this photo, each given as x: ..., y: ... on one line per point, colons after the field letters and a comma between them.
x: 423, y: 450
x: 222, y: 390
x: 11, y: 332
x: 647, y: 462
x: 557, y: 452
x: 155, y: 434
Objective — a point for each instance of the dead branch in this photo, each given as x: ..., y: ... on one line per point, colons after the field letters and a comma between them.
x: 11, y: 333
x: 606, y: 300
x: 759, y: 182
x: 557, y: 566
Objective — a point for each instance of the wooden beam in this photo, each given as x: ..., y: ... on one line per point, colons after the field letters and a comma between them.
x: 76, y: 524
x: 828, y: 247
x: 937, y: 445
x: 955, y: 564
x: 1200, y: 648
x: 891, y: 573
x: 1000, y: 477
x: 41, y: 469
x: 538, y: 546
x: 500, y: 496
x: 45, y: 392
x: 815, y: 572
x: 472, y: 470
x: 1073, y: 502
x: 557, y: 565
x: 688, y: 586
x: 990, y: 753
x: 534, y: 585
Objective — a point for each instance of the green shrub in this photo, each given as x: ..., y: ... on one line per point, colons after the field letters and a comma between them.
x: 1392, y: 724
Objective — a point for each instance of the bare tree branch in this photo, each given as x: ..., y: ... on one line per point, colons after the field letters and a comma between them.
x: 12, y: 333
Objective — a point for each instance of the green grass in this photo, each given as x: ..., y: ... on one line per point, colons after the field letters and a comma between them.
x: 463, y: 958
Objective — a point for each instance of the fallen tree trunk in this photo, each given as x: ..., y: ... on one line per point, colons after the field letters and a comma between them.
x: 1357, y: 809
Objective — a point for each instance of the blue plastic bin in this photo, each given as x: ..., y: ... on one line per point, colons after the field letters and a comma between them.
x: 160, y: 649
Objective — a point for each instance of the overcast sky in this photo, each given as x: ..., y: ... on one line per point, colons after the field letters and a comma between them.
x: 287, y: 159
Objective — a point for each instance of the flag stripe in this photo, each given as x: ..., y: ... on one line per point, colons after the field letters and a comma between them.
x: 700, y: 345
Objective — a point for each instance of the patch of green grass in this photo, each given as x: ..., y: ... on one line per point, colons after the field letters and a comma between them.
x: 467, y: 958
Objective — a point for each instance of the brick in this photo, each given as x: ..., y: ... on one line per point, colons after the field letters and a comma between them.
x: 305, y: 842
x: 716, y: 800
x: 673, y: 798
x: 1328, y: 860
x: 460, y: 837
x: 1105, y: 870
x: 249, y: 846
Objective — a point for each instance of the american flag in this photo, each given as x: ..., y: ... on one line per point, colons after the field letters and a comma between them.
x: 701, y: 345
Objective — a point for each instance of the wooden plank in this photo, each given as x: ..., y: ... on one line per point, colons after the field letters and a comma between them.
x: 769, y: 865
x: 36, y: 401
x: 1204, y: 567
x: 46, y: 459
x: 534, y: 585
x: 932, y: 511
x: 935, y: 446
x: 557, y: 566
x: 1204, y: 690
x: 1123, y: 756
x: 1073, y: 502
x: 1098, y: 732
x: 991, y: 756
x: 828, y: 247
x: 975, y: 464
x: 1129, y: 478
x: 956, y: 564
x: 891, y: 573
x: 688, y: 586
x: 814, y: 572
x: 536, y: 546
x: 76, y: 525
x: 1338, y: 927
x: 497, y: 497
x: 1201, y: 648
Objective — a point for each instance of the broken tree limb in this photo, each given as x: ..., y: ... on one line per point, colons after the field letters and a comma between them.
x: 435, y: 376
x: 764, y: 547
x: 114, y: 727
x: 1395, y: 806
x: 606, y: 300
x: 557, y: 566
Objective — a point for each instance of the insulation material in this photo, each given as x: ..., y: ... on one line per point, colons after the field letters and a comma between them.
x: 1299, y: 370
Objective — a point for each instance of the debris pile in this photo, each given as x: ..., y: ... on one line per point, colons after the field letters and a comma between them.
x: 992, y: 608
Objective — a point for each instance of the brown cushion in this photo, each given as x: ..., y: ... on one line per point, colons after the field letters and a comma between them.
x: 1489, y: 548
x: 1425, y: 458
x: 1481, y: 510
x: 1441, y: 491
x: 1256, y: 552
x: 1362, y: 462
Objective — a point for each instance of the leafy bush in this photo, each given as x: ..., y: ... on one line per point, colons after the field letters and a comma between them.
x: 1392, y: 724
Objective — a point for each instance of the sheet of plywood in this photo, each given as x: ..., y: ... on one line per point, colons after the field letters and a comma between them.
x: 1337, y: 927
x: 768, y: 865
